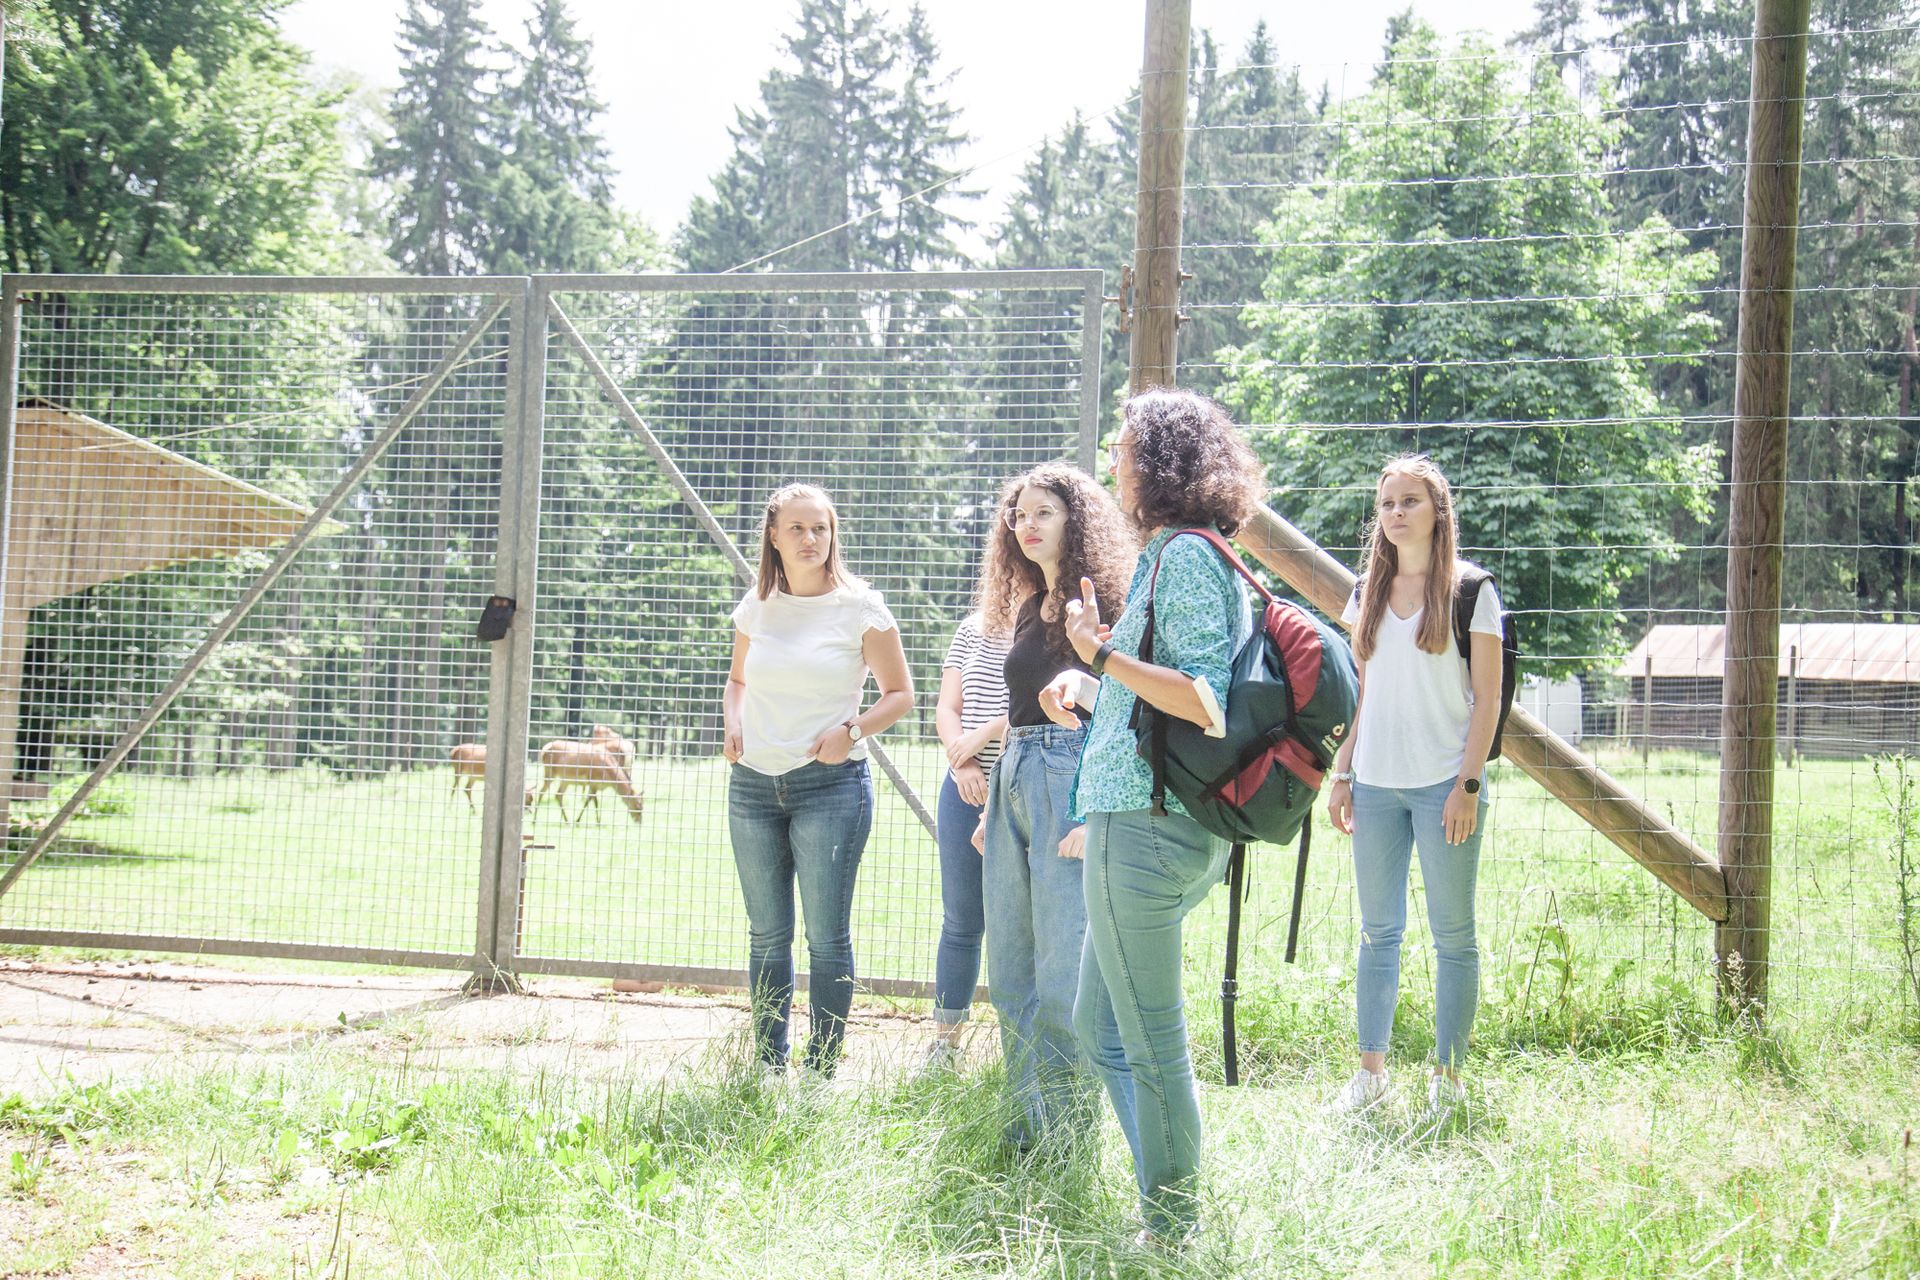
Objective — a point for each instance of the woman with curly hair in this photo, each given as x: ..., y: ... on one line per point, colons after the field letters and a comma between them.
x: 1178, y: 463
x: 1057, y: 528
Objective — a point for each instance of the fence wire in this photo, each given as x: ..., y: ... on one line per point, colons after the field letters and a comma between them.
x: 294, y: 798
x: 910, y: 407
x: 1527, y: 264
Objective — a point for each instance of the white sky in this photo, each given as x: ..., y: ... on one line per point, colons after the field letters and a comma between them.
x: 671, y: 73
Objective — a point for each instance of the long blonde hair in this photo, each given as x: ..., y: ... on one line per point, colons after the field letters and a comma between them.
x: 1383, y: 562
x: 773, y: 572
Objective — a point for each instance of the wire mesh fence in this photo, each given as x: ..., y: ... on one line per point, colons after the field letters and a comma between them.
x: 1524, y: 260
x: 910, y: 405
x: 168, y: 444
x: 320, y: 785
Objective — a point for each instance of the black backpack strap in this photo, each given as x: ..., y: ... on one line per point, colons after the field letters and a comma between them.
x: 1299, y: 885
x: 1230, y: 984
x: 1466, y: 598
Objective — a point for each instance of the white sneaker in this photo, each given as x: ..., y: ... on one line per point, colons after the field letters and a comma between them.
x: 1443, y: 1096
x: 1362, y: 1092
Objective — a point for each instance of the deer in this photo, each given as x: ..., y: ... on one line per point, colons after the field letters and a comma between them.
x: 469, y: 767
x: 604, y: 760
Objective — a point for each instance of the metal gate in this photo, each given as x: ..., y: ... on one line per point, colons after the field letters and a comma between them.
x: 250, y: 522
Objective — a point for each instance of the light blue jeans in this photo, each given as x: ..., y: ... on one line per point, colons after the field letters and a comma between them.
x: 1388, y: 823
x: 1036, y: 920
x: 1144, y: 874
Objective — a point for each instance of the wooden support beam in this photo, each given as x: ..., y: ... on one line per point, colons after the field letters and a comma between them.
x: 1756, y: 518
x: 1548, y: 759
x: 1163, y: 167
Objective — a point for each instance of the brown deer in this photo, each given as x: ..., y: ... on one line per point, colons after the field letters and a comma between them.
x: 469, y: 767
x: 601, y: 761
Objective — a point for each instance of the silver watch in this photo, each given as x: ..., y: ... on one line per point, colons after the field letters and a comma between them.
x: 1343, y: 775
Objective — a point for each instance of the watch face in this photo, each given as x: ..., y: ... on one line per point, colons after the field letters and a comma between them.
x: 1472, y: 786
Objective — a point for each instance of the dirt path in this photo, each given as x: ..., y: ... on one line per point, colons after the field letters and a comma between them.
x: 122, y: 1020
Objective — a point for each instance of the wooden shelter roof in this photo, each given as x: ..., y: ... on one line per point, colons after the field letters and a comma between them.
x: 1857, y: 652
x: 92, y: 503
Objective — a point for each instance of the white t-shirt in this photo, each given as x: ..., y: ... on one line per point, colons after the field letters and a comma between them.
x: 805, y: 670
x: 1412, y: 730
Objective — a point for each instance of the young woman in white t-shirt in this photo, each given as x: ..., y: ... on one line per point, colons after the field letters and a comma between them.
x: 1410, y: 773
x: 799, y: 798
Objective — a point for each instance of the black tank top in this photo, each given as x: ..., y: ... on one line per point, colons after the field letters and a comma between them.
x: 1039, y: 652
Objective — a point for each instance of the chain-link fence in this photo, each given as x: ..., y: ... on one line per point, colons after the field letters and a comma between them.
x: 356, y: 466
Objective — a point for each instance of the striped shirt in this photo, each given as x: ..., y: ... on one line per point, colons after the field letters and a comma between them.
x: 981, y: 661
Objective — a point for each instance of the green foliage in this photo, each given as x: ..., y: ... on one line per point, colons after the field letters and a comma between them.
x: 1450, y: 289
x: 178, y: 136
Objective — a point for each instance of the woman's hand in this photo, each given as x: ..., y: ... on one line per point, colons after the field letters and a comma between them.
x: 1074, y: 843
x: 980, y: 835
x: 966, y: 747
x: 730, y: 744
x: 831, y: 747
x: 1083, y: 622
x: 1056, y: 700
x: 970, y: 780
x: 1340, y: 807
x: 1461, y: 814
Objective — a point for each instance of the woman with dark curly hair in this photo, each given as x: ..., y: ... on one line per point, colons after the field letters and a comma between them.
x: 1057, y: 528
x: 1178, y: 463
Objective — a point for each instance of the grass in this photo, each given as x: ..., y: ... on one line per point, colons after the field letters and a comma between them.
x: 1619, y: 1126
x: 1694, y: 1156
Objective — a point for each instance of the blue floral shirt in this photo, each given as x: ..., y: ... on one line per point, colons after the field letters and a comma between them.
x: 1201, y: 618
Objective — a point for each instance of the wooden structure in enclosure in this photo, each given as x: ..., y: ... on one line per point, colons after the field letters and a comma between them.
x: 91, y: 504
x: 1844, y: 688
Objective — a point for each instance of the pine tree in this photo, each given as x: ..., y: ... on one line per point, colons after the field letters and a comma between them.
x: 553, y: 198
x: 444, y: 154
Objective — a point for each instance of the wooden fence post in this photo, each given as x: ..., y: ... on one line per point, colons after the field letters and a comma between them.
x: 1163, y: 165
x: 1757, y: 511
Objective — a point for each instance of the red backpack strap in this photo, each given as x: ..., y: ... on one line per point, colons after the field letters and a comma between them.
x: 1221, y: 545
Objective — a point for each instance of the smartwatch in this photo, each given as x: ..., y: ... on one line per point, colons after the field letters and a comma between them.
x: 853, y: 730
x: 1470, y: 785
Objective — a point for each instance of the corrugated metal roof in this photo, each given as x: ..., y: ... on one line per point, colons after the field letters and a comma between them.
x: 1860, y: 652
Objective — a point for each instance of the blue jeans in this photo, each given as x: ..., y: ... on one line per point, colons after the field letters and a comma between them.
x: 1144, y: 874
x: 1388, y: 822
x: 956, y: 962
x: 808, y: 825
x: 1036, y: 920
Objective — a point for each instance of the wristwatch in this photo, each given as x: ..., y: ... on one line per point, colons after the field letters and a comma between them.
x: 853, y: 730
x: 1470, y: 785
x: 1342, y: 775
x: 1099, y: 664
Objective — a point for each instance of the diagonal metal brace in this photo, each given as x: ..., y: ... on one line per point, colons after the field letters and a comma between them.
x: 261, y: 585
x: 742, y: 567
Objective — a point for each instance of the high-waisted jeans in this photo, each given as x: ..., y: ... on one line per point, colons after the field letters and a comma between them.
x: 809, y: 826
x: 1036, y: 921
x: 1388, y: 822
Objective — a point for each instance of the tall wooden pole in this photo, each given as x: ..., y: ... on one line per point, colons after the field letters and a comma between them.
x: 1163, y: 166
x: 1757, y: 514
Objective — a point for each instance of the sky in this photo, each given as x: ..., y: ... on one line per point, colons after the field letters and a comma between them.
x: 672, y: 73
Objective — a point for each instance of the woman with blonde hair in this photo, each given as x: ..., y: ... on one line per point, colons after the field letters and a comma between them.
x: 1410, y: 773
x: 799, y: 797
